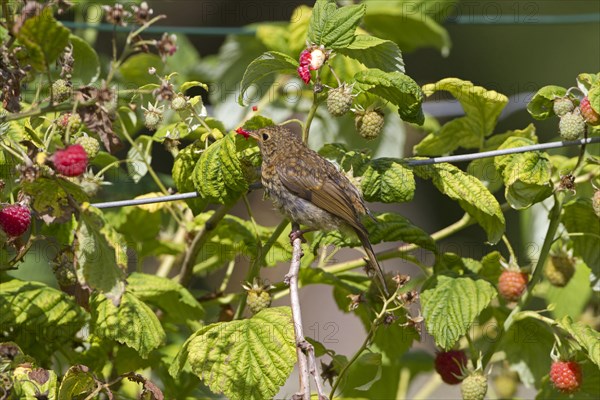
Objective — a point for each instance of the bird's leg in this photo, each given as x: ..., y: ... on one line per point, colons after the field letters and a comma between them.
x: 298, y: 233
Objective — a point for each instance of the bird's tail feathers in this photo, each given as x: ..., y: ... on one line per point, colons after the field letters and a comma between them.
x: 364, y: 239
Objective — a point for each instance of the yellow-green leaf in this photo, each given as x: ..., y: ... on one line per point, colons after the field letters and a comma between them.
x: 482, y: 108
x: 132, y: 323
x: 470, y: 193
x: 245, y: 359
x: 526, y: 175
x: 44, y: 38
x: 387, y: 180
x: 587, y: 337
x: 451, y: 303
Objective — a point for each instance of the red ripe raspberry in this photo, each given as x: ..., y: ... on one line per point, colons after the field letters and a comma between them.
x: 512, y: 284
x: 71, y: 161
x: 449, y: 364
x: 305, y: 58
x: 566, y: 376
x: 15, y: 219
x: 588, y: 113
x: 304, y: 73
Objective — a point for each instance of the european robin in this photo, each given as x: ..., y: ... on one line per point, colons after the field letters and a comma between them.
x: 309, y: 189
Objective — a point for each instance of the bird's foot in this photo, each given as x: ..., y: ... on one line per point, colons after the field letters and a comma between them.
x: 297, y: 234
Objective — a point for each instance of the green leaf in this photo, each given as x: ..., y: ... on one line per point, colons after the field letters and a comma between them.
x: 298, y: 29
x: 100, y: 256
x: 139, y: 158
x: 349, y: 160
x: 361, y: 375
x: 583, y: 334
x: 482, y: 108
x: 527, y: 345
x: 257, y: 122
x: 134, y: 71
x: 262, y: 67
x: 191, y: 84
x: 51, y: 196
x: 387, y: 180
x: 579, y: 218
x: 218, y: 176
x: 334, y: 27
x: 409, y: 29
x: 167, y: 294
x: 526, y: 175
x: 132, y: 323
x: 388, y: 228
x: 541, y: 104
x: 183, y: 167
x: 451, y: 303
x: 86, y: 67
x: 77, y: 381
x: 395, y: 87
x: 274, y: 35
x: 44, y: 38
x: 28, y: 383
x: 32, y: 308
x: 471, y: 195
x: 244, y: 359
x: 374, y: 52
x: 572, y: 298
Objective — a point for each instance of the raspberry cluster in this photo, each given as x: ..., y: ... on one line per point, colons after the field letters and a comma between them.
x: 310, y: 60
x: 450, y: 365
x: 512, y: 284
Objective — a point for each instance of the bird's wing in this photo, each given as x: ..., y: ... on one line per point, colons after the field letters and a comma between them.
x: 323, y: 191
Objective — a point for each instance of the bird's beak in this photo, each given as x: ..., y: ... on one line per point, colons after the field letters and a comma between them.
x: 254, y: 135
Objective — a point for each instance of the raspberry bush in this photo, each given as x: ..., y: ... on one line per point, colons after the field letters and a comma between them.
x: 145, y: 298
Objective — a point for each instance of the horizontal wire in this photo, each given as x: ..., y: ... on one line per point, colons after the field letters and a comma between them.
x: 251, y: 30
x: 411, y: 163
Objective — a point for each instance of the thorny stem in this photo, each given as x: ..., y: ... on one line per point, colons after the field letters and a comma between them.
x: 292, y: 279
x: 36, y: 112
x: 258, y: 262
x: 187, y: 268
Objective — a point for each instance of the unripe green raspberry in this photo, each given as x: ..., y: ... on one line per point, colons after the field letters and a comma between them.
x: 563, y: 105
x: 152, y: 118
x: 90, y: 145
x: 178, y: 103
x: 596, y: 202
x: 559, y: 269
x: 370, y: 124
x: 61, y: 90
x: 571, y: 126
x: 258, y: 296
x: 474, y: 387
x: 339, y: 100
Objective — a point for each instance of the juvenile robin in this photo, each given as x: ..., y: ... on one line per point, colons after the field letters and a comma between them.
x: 310, y: 190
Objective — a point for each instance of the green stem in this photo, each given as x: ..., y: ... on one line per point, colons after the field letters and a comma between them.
x: 513, y: 256
x: 258, y: 262
x: 403, y: 383
x: 227, y: 277
x: 358, y: 353
x: 309, y: 118
x: 187, y: 268
x: 374, y: 326
x: 554, y: 217
x: 464, y: 222
x: 146, y: 163
x: 36, y: 112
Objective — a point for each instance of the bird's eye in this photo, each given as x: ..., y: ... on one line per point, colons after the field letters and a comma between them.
x: 265, y: 136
